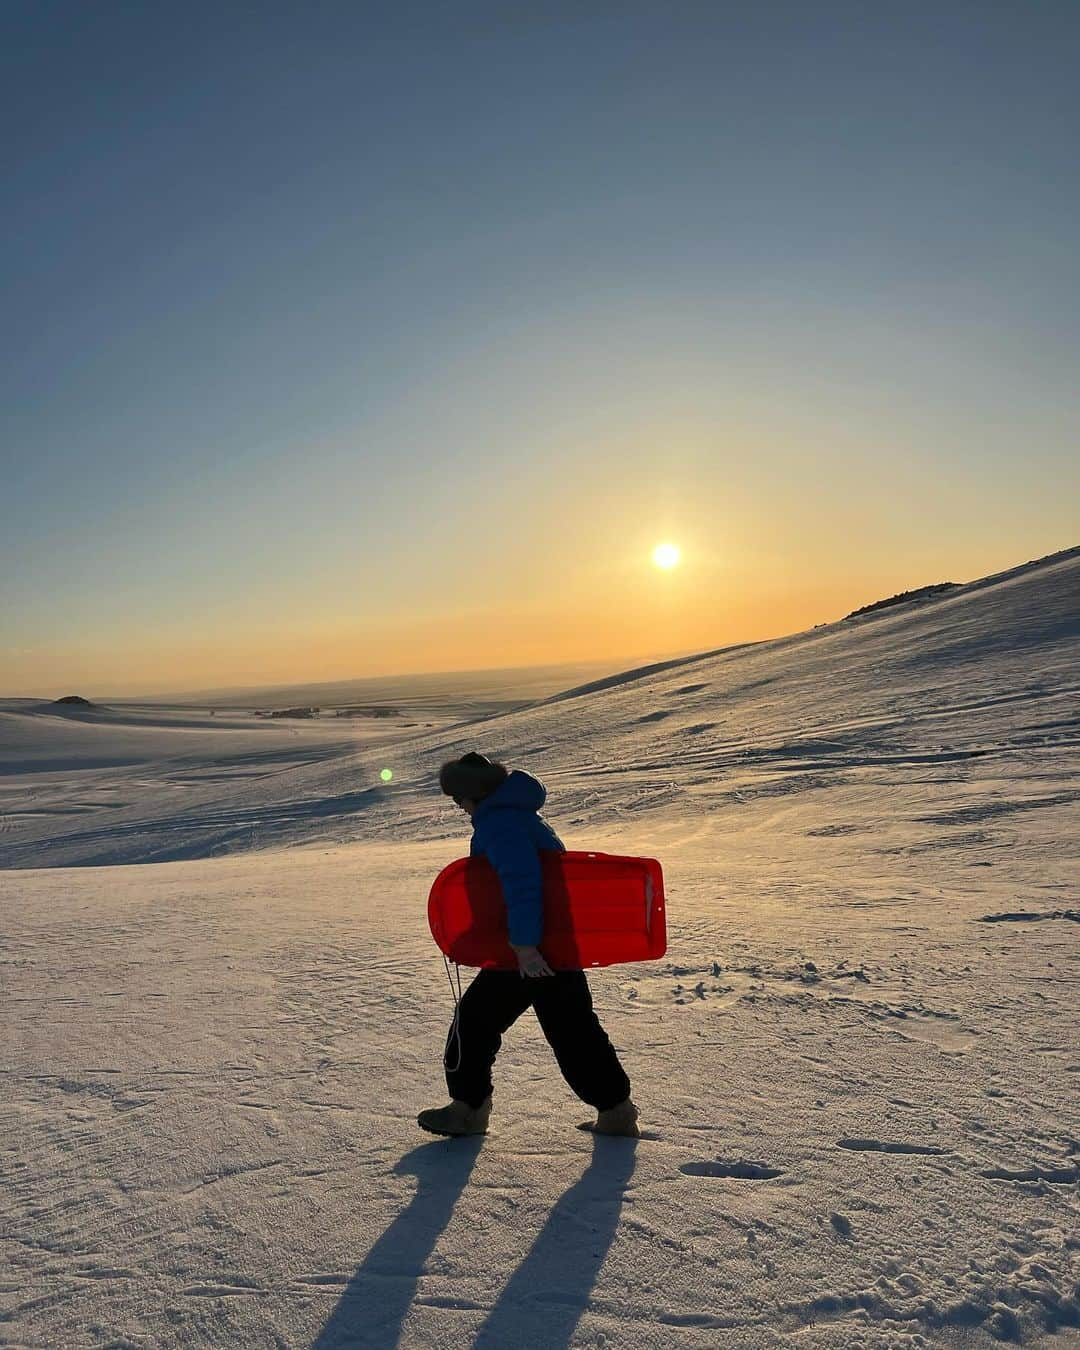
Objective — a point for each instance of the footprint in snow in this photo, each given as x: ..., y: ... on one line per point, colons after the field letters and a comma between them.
x: 1032, y: 916
x: 884, y: 1146
x: 742, y: 1170
x: 1056, y: 1176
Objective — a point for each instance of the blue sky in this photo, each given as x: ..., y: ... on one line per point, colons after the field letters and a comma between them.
x: 329, y: 327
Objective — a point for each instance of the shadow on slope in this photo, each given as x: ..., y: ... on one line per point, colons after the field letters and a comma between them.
x: 199, y: 834
x: 545, y: 1297
x: 377, y: 1298
x: 640, y: 673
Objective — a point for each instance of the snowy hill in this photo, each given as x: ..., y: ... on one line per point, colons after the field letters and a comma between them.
x: 857, y: 1065
x: 987, y: 671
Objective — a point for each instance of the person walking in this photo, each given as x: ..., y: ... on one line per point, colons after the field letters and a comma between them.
x: 509, y: 832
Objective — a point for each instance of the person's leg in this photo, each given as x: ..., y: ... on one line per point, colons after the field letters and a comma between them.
x: 491, y: 1004
x: 586, y: 1057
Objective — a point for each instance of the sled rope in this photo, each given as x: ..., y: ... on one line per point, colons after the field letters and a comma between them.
x: 455, y: 1025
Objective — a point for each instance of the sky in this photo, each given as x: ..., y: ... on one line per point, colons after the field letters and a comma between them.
x: 344, y: 340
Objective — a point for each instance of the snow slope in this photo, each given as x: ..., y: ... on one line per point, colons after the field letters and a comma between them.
x: 857, y: 1065
x: 990, y: 672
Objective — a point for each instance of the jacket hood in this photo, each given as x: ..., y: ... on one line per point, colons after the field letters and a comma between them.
x: 519, y: 792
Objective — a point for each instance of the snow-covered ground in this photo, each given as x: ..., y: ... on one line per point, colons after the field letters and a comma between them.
x: 857, y: 1065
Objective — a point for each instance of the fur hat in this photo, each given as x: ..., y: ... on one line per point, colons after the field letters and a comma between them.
x: 472, y: 776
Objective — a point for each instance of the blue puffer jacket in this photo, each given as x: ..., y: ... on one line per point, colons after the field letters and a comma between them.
x: 509, y: 833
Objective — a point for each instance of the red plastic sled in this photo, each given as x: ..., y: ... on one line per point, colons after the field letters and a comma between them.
x: 599, y: 910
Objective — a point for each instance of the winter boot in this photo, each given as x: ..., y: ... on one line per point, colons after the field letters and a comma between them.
x: 621, y: 1119
x: 457, y: 1118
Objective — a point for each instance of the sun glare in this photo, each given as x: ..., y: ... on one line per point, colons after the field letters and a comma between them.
x: 666, y: 556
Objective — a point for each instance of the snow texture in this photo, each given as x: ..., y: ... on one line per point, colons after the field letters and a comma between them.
x: 857, y: 1066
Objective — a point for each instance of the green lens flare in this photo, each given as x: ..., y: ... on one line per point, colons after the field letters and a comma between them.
x: 386, y: 775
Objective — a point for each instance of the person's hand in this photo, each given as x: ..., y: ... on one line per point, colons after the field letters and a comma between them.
x: 530, y: 962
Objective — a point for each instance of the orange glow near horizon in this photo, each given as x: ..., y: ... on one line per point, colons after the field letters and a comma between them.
x: 658, y: 623
x: 595, y: 577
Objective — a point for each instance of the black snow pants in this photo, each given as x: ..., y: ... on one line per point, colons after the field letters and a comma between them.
x: 564, y: 1009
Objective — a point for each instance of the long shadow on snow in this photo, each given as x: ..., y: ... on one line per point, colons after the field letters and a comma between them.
x: 542, y: 1302
x: 374, y: 1302
x: 545, y: 1297
x: 157, y: 839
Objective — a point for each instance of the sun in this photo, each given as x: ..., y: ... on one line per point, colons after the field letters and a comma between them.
x: 666, y: 556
